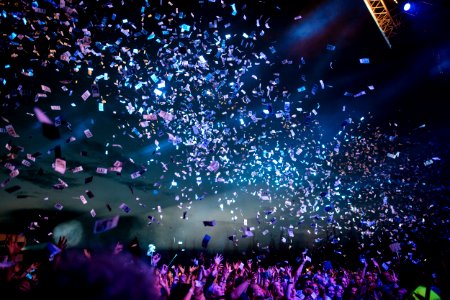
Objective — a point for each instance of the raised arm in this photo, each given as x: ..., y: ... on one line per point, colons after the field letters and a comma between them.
x: 237, y: 291
x: 288, y: 292
x: 299, y: 271
x: 189, y: 294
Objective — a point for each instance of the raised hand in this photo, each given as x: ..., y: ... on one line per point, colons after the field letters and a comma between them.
x: 180, y: 267
x: 62, y: 243
x: 164, y: 269
x: 289, y: 271
x: 155, y: 259
x: 218, y: 259
x: 227, y: 268
x: 175, y: 270
x: 192, y: 269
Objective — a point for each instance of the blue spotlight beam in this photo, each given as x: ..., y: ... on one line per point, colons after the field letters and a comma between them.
x: 407, y: 6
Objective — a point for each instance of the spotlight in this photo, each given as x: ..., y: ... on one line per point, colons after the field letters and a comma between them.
x: 410, y: 8
x: 407, y: 6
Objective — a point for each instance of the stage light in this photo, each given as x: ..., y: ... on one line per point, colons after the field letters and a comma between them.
x: 407, y: 6
x: 410, y: 8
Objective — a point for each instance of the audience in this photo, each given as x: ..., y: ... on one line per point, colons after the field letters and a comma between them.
x: 119, y: 273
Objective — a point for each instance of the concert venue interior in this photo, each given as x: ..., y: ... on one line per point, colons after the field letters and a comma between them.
x: 248, y: 127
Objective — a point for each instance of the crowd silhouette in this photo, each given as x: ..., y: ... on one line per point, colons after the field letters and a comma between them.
x: 122, y: 272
